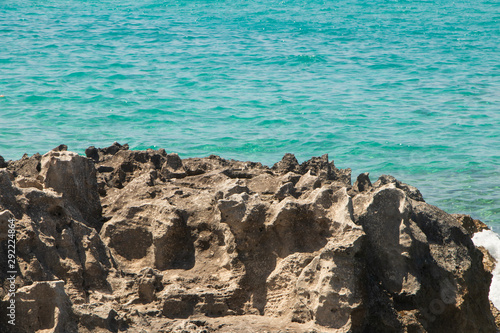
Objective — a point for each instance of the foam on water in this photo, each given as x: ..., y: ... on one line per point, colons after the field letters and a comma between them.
x: 403, y: 87
x: 491, y: 242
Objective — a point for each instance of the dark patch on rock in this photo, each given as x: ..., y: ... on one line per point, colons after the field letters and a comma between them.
x: 60, y: 148
x: 93, y: 153
x: 471, y: 225
x: 287, y: 164
x: 3, y: 163
x: 363, y: 182
x: 411, y: 191
x: 27, y: 166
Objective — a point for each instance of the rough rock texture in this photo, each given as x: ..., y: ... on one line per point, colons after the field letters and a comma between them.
x: 471, y: 225
x: 144, y: 241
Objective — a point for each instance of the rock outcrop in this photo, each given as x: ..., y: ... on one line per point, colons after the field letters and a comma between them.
x: 136, y: 241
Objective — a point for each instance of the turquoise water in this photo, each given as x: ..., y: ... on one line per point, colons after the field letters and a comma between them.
x: 408, y: 88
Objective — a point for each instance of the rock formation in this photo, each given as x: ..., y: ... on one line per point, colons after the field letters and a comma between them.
x: 144, y: 241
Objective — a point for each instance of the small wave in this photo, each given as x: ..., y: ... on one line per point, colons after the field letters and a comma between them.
x: 386, y: 66
x: 121, y: 65
x: 269, y: 122
x: 104, y: 46
x: 117, y: 117
x: 150, y: 111
x: 76, y: 75
x: 425, y: 112
x: 220, y: 108
x: 93, y: 99
x: 121, y: 91
x: 51, y: 46
x: 306, y: 58
x: 36, y: 98
x: 118, y: 77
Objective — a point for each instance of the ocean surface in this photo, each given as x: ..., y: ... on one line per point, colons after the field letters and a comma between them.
x: 408, y: 88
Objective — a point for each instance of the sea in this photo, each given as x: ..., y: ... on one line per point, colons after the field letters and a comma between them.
x: 402, y: 87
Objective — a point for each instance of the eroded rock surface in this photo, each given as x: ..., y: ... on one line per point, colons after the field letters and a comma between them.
x: 136, y: 241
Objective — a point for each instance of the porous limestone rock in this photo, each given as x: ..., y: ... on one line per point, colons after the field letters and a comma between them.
x: 146, y: 241
x: 73, y: 176
x: 44, y: 307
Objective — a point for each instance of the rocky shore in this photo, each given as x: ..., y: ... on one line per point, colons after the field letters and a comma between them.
x: 144, y: 241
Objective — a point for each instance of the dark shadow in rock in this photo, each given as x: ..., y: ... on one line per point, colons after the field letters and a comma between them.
x: 26, y: 166
x: 180, y: 306
x: 132, y: 243
x: 174, y: 246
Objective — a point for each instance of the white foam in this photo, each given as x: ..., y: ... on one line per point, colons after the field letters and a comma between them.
x: 491, y: 242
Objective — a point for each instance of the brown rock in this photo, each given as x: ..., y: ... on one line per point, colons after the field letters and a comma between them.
x: 401, y: 230
x: 173, y: 168
x: 411, y: 191
x: 496, y: 315
x: 27, y: 182
x: 26, y: 166
x: 9, y: 195
x: 471, y: 225
x: 74, y: 177
x: 489, y: 262
x: 207, y: 244
x: 44, y: 306
x: 287, y: 164
x: 5, y: 216
x: 363, y: 182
